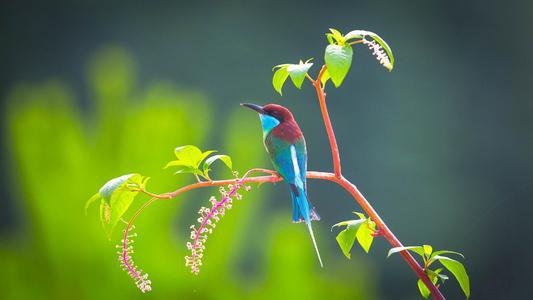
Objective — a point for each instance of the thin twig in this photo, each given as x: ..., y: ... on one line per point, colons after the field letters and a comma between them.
x: 310, y: 79
x: 356, y: 42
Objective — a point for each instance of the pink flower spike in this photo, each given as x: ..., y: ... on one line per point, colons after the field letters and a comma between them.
x: 208, y: 220
x: 127, y: 264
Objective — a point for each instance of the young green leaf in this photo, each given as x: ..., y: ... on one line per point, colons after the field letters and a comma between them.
x: 204, y: 156
x: 297, y: 73
x: 364, y: 234
x: 360, y: 215
x: 424, y: 291
x: 189, y: 159
x: 188, y: 170
x: 208, y: 162
x: 179, y: 163
x: 336, y: 36
x: 436, y: 274
x: 338, y: 60
x: 440, y: 252
x: 188, y: 153
x: 417, y: 249
x: 335, y: 32
x: 346, y: 238
x: 434, y: 277
x: 116, y: 197
x: 279, y: 78
x: 356, y: 34
x: 443, y: 277
x: 330, y: 38
x: 93, y: 199
x: 325, y: 77
x: 427, y: 250
x: 458, y: 271
x: 361, y: 229
x: 112, y: 185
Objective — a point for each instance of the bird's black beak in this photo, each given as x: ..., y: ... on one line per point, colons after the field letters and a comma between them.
x: 255, y: 107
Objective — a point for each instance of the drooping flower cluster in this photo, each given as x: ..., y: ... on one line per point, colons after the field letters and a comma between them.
x: 208, y: 219
x: 127, y: 264
x: 379, y: 53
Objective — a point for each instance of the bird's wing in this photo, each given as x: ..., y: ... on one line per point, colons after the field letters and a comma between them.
x: 289, y: 160
x: 301, y: 154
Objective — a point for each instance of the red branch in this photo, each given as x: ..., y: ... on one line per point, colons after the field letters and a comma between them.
x: 333, y: 177
x: 352, y: 189
x: 343, y: 182
x: 329, y: 128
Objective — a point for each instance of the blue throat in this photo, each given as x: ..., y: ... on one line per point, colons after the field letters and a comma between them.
x: 268, y: 123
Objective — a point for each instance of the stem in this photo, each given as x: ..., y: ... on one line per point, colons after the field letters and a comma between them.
x: 356, y: 42
x: 329, y: 128
x: 352, y: 189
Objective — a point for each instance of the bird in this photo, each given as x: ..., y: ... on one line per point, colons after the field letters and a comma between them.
x: 285, y: 144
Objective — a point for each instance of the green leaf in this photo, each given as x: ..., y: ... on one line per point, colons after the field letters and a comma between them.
x: 179, y: 163
x: 458, y: 271
x: 117, y: 198
x: 331, y: 38
x: 189, y: 159
x: 433, y: 276
x: 279, y: 78
x: 446, y: 252
x: 364, y: 234
x: 297, y: 73
x: 337, y: 36
x: 427, y: 250
x: 362, y: 33
x: 224, y: 158
x: 338, y: 60
x: 335, y: 32
x: 188, y: 153
x: 346, y: 238
x: 325, y: 77
x: 417, y: 249
x: 424, y: 291
x: 348, y: 223
x: 187, y: 170
x: 360, y: 215
x: 361, y: 229
x: 436, y: 274
x: 112, y: 185
x: 356, y: 34
x: 93, y: 199
x: 204, y: 156
x: 443, y: 277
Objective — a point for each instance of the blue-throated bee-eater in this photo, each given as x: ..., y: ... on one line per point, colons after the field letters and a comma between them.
x: 285, y: 145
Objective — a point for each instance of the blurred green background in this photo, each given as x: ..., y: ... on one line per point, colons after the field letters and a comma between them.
x: 442, y: 146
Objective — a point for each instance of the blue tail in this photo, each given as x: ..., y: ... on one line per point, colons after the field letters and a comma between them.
x: 303, y: 212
